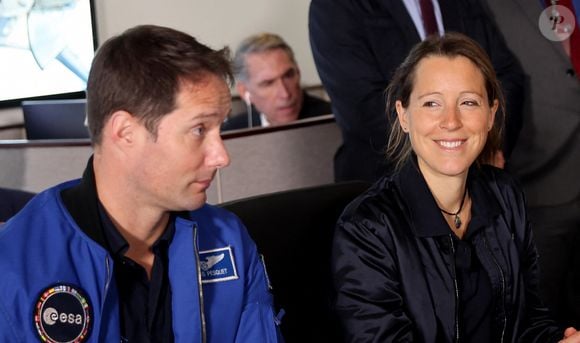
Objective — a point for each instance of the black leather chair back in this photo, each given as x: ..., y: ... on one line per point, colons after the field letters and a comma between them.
x: 293, y: 230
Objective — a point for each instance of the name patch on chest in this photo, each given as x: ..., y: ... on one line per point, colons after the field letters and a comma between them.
x: 217, y: 265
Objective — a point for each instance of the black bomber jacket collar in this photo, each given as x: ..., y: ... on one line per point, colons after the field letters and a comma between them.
x: 82, y: 203
x: 426, y: 216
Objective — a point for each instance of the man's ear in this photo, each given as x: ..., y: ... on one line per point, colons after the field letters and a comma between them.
x: 121, y: 127
x: 243, y: 92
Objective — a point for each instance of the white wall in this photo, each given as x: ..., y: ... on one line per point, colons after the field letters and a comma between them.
x: 216, y: 22
x: 213, y: 22
x: 287, y: 158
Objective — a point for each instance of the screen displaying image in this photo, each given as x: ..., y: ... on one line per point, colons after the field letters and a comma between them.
x: 46, y: 48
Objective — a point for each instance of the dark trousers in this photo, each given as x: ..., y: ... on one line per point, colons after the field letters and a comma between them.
x: 557, y: 235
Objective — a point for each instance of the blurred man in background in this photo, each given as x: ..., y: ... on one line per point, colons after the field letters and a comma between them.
x: 268, y: 80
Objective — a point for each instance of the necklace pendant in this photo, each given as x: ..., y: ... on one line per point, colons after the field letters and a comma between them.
x: 457, y: 221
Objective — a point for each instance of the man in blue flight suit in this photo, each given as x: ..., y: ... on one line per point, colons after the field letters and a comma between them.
x: 131, y: 252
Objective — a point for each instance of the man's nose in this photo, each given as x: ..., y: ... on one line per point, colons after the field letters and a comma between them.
x: 282, y: 89
x: 217, y: 155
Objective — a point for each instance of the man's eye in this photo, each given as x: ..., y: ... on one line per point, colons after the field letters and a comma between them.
x: 199, y: 130
x: 267, y: 83
x: 290, y: 74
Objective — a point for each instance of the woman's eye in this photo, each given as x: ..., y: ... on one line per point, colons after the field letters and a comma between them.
x: 470, y: 103
x: 429, y: 104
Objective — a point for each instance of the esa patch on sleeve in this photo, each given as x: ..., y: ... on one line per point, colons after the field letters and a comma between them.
x: 217, y: 265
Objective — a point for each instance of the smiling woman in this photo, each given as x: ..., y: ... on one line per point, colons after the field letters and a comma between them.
x: 441, y: 250
x: 448, y: 115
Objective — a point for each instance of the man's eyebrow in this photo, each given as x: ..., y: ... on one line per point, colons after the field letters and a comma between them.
x: 205, y: 115
x: 208, y: 115
x: 266, y: 81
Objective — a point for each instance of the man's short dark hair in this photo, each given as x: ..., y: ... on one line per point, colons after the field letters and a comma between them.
x: 141, y: 72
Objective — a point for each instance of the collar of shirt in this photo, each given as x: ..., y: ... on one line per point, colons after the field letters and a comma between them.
x: 414, y: 9
x: 117, y: 245
x: 263, y: 120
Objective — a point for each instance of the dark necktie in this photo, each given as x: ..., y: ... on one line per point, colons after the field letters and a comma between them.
x: 428, y: 15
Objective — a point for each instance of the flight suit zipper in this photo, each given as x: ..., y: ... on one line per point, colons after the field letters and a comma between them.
x: 109, y: 275
x: 199, y: 285
x: 109, y: 278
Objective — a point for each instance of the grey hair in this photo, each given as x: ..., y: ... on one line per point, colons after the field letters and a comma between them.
x: 257, y: 43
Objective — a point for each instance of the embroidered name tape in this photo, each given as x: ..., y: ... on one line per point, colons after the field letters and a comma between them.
x: 63, y: 314
x: 217, y: 265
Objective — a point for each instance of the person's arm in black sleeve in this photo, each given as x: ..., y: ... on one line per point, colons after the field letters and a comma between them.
x: 348, y: 70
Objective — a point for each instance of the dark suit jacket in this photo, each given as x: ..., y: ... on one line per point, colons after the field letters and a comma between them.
x: 547, y: 157
x: 311, y: 107
x: 11, y: 201
x: 357, y: 45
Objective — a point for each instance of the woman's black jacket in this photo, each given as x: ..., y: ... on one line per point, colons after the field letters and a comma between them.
x: 394, y: 269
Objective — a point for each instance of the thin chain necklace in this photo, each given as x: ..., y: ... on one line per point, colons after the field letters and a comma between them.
x: 456, y: 219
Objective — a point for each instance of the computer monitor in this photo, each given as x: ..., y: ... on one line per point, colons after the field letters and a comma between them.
x: 46, y: 49
x: 55, y: 119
